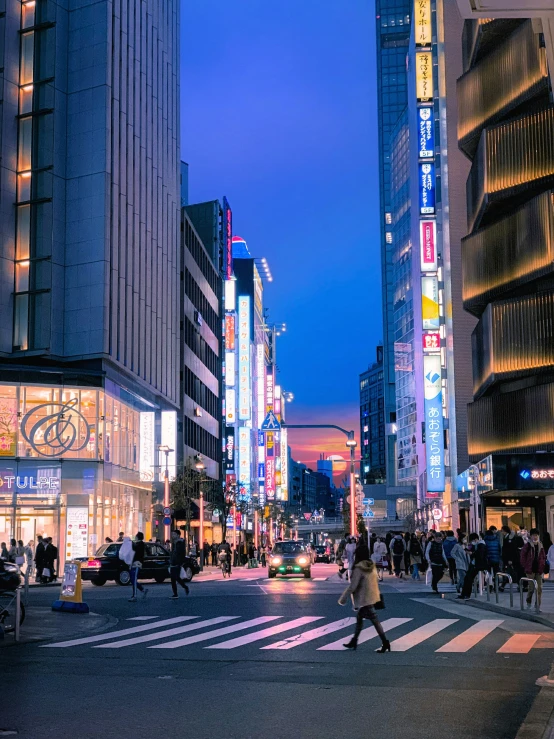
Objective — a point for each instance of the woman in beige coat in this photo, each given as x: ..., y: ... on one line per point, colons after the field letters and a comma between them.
x: 364, y: 589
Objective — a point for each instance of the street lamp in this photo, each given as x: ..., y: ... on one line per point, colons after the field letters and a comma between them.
x: 167, y: 527
x: 351, y: 444
x: 200, y: 466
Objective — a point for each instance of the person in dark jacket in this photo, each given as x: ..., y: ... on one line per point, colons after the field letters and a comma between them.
x: 494, y: 551
x: 214, y: 554
x: 477, y: 563
x: 448, y: 545
x: 39, y: 558
x: 177, y: 560
x: 533, y: 560
x: 50, y: 559
x: 437, y: 559
x: 139, y: 552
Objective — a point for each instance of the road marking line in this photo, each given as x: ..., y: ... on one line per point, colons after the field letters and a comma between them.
x: 419, y: 635
x: 141, y: 618
x: 519, y: 644
x: 295, y: 641
x: 212, y: 634
x: 123, y: 632
x: 319, y: 579
x: 366, y: 635
x: 162, y: 634
x: 470, y: 637
x: 264, y: 633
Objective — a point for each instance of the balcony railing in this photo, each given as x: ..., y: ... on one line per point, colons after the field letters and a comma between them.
x: 514, y: 338
x: 509, y: 253
x: 512, y: 74
x: 513, y: 159
x: 516, y: 422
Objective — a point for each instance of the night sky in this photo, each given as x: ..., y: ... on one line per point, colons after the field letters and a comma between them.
x: 278, y: 114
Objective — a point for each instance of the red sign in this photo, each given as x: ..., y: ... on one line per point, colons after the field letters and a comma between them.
x: 229, y: 332
x: 431, y: 342
x: 307, y: 516
x: 428, y: 243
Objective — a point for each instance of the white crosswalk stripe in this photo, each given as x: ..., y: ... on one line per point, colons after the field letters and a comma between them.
x: 295, y: 641
x: 122, y: 632
x: 366, y: 635
x: 421, y: 634
x: 264, y: 633
x: 163, y: 634
x: 212, y: 634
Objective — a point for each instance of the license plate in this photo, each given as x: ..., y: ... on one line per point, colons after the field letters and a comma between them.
x: 289, y: 568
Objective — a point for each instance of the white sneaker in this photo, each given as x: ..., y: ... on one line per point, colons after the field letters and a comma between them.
x: 529, y: 605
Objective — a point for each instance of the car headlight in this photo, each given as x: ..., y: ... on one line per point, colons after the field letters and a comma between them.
x: 276, y: 561
x: 302, y: 560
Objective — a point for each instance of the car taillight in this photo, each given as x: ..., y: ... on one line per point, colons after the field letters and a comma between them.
x: 92, y: 563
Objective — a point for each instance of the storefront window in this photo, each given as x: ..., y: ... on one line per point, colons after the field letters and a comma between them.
x: 514, y: 517
x: 8, y: 421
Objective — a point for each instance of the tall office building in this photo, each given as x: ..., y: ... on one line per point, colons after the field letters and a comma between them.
x: 505, y: 127
x: 89, y: 265
x: 372, y: 422
x: 393, y: 36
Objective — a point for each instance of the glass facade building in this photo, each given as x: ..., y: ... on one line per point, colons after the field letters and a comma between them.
x: 372, y: 422
x: 393, y: 35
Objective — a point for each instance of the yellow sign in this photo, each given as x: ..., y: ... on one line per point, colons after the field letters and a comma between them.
x: 72, y: 586
x: 422, y: 22
x: 430, y: 311
x: 424, y: 76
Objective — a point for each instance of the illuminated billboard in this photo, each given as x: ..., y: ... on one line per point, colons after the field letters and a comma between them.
x: 434, y: 425
x: 230, y: 405
x: 229, y: 449
x: 230, y: 294
x: 430, y: 303
x: 423, y: 32
x: 230, y: 332
x: 424, y: 76
x: 431, y: 341
x: 245, y: 460
x: 260, y: 384
x: 426, y: 183
x: 284, y: 465
x: 428, y: 245
x: 245, y: 378
x: 227, y: 238
x: 147, y: 438
x: 425, y: 133
x: 230, y: 370
x: 169, y: 438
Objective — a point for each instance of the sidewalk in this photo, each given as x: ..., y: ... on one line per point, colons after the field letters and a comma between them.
x: 43, y: 624
x: 545, y: 616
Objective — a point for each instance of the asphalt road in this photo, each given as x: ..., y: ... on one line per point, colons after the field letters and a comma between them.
x: 246, y: 658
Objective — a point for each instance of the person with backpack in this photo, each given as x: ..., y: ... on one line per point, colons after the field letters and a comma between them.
x: 448, y: 545
x: 437, y: 559
x: 416, y: 555
x: 494, y: 552
x: 477, y: 563
x: 379, y: 557
x: 397, y: 549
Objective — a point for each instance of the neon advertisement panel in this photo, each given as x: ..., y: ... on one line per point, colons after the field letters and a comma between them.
x: 434, y: 424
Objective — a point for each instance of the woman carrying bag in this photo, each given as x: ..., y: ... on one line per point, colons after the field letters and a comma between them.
x: 364, y: 590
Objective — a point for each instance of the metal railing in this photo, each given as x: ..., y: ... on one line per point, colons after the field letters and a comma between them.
x: 536, y: 591
x: 510, y: 582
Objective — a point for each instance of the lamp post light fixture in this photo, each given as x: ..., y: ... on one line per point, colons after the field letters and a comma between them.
x: 167, y: 451
x: 351, y: 444
x: 200, y: 466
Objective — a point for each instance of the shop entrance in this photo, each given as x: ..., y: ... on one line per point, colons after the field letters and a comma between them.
x: 512, y: 516
x: 30, y: 522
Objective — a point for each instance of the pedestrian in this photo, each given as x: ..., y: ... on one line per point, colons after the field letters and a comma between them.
x: 107, y: 540
x: 176, y: 562
x: 372, y: 542
x: 227, y: 548
x: 364, y: 591
x: 12, y: 551
x: 380, y: 557
x: 121, y: 537
x: 50, y: 559
x: 397, y: 549
x: 4, y: 551
x: 20, y: 553
x: 461, y: 560
x: 137, y: 562
x: 407, y: 539
x: 533, y: 560
x: 550, y: 559
x: 214, y: 554
x: 448, y: 545
x: 251, y: 555
x: 350, y: 553
x: 437, y: 559
x: 494, y: 552
x: 388, y: 538
x: 39, y: 558
x: 263, y: 557
x: 416, y: 555
x: 206, y: 549
x: 477, y: 563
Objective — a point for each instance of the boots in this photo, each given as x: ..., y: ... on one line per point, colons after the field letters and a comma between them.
x: 384, y: 648
x: 352, y: 644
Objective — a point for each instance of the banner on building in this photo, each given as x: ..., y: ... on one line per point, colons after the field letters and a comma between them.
x: 425, y: 133
x: 430, y: 303
x: 423, y: 32
x: 426, y: 184
x: 245, y: 378
x: 424, y: 76
x: 434, y: 424
x: 428, y: 245
x: 228, y: 238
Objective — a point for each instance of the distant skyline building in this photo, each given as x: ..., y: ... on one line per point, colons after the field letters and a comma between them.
x: 89, y: 267
x: 393, y: 22
x: 372, y: 422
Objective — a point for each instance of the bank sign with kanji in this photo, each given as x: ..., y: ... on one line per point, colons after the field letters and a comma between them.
x: 434, y: 425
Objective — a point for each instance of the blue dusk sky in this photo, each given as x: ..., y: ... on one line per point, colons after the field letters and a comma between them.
x: 278, y: 113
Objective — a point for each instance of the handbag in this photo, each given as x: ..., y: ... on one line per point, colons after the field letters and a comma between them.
x: 182, y: 573
x: 20, y: 560
x: 46, y: 572
x: 380, y: 604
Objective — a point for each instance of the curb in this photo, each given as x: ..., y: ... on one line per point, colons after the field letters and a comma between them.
x: 107, y: 623
x: 539, y: 722
x: 524, y: 615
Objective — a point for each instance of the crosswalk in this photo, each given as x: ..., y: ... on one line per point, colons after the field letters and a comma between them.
x: 235, y: 632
